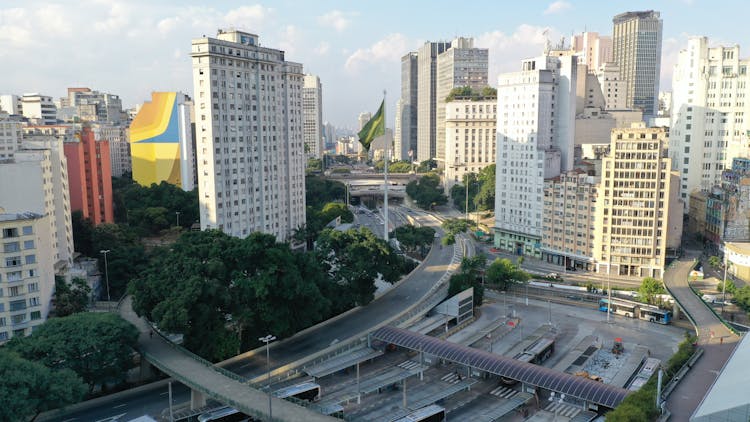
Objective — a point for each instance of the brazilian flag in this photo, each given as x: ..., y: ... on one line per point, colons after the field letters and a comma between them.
x: 372, y: 129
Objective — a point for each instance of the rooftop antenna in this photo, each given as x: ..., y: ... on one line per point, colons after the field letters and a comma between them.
x: 547, y: 45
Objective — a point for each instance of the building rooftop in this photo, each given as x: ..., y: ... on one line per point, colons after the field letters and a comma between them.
x: 17, y: 216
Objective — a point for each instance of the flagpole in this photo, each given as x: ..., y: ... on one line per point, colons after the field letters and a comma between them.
x: 385, y: 172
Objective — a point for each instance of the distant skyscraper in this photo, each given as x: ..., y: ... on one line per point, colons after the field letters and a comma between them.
x: 312, y: 116
x: 363, y: 118
x: 535, y: 127
x: 636, y: 48
x: 708, y: 128
x: 161, y: 141
x: 461, y: 65
x: 593, y: 49
x: 90, y: 177
x: 427, y: 98
x: 119, y: 146
x: 407, y: 109
x: 250, y: 147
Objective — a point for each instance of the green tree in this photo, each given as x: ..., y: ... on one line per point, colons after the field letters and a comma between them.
x: 126, y: 257
x: 30, y: 388
x: 82, y: 233
x: 649, y: 288
x: 98, y: 347
x: 426, y: 191
x: 455, y: 226
x: 469, y: 275
x: 742, y: 297
x: 730, y: 287
x: 714, y: 262
x: 414, y: 238
x: 502, y: 272
x: 71, y: 298
x: 314, y: 165
x: 427, y: 166
x: 485, y: 198
x: 458, y: 192
x: 320, y: 191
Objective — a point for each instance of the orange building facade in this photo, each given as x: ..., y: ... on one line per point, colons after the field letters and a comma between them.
x: 90, y: 177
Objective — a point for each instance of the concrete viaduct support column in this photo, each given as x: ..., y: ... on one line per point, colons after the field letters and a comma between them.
x: 146, y: 370
x: 676, y: 310
x: 197, y: 399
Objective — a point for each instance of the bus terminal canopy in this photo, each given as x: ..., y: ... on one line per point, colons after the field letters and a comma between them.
x: 527, y: 373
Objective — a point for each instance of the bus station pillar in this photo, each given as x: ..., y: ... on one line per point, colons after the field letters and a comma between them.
x: 146, y: 370
x: 197, y: 399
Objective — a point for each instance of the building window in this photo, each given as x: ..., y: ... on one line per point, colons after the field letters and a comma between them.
x: 36, y: 315
x: 28, y: 244
x: 27, y: 230
x: 11, y: 247
x: 30, y: 259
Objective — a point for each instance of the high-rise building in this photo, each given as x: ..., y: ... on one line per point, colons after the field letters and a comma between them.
x: 36, y: 180
x: 29, y: 276
x: 726, y: 210
x: 592, y: 49
x: 471, y: 137
x: 638, y: 210
x: 250, y: 145
x: 312, y: 116
x: 118, y: 136
x: 407, y: 109
x: 708, y: 127
x: 613, y: 88
x: 161, y: 141
x: 462, y: 65
x: 10, y: 104
x: 399, y: 152
x: 10, y: 135
x: 94, y: 106
x: 536, y: 119
x: 40, y: 109
x: 427, y: 98
x: 363, y: 118
x: 636, y: 48
x: 90, y: 177
x: 569, y: 210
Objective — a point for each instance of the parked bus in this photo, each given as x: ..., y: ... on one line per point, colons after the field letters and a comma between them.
x: 431, y: 413
x: 309, y: 391
x: 536, y: 353
x: 638, y: 310
x: 223, y: 414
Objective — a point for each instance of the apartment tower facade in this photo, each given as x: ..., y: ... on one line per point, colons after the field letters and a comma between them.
x: 312, y: 114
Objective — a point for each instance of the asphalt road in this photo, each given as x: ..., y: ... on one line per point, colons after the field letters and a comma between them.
x: 153, y: 401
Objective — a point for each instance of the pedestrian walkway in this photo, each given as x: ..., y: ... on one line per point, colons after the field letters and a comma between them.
x: 504, y: 392
x: 713, y: 336
x: 207, y: 379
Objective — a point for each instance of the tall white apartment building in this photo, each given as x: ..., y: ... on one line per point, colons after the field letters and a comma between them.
x: 592, y: 49
x: 40, y: 109
x: 462, y: 65
x: 535, y: 141
x: 119, y: 146
x: 249, y: 137
x: 10, y: 135
x: 638, y: 210
x: 27, y: 279
x: 37, y: 181
x: 612, y: 85
x: 471, y: 138
x: 710, y: 87
x: 10, y: 104
x: 312, y: 114
x: 636, y: 48
x: 427, y: 98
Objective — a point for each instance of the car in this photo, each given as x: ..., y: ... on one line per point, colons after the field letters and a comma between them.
x: 554, y: 275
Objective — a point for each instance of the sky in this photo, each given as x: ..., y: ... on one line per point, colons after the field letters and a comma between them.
x: 133, y: 47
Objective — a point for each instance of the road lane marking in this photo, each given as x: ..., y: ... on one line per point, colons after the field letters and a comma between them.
x: 119, y: 405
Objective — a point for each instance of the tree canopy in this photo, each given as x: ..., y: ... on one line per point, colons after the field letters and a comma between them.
x: 649, y: 288
x: 426, y: 191
x: 414, y: 238
x: 467, y: 92
x: 485, y: 197
x: 98, y: 347
x: 125, y: 259
x: 71, y: 298
x: 28, y: 388
x: 502, y: 272
x: 149, y: 210
x: 469, y: 275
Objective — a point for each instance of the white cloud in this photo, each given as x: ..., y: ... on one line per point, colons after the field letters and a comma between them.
x: 248, y: 17
x: 557, y: 7
x: 288, y: 40
x: 507, y: 50
x: 383, y: 52
x: 336, y: 19
x: 167, y: 25
x: 118, y: 17
x: 322, y: 48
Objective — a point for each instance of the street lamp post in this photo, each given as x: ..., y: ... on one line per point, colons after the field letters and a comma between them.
x: 106, y: 277
x: 268, y: 339
x: 178, y: 218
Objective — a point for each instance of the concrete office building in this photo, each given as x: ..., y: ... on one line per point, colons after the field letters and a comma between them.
x: 638, y: 210
x: 427, y: 98
x: 11, y: 104
x: 118, y: 137
x: 94, y: 106
x: 312, y: 116
x: 612, y: 86
x: 461, y: 65
x: 471, y: 138
x: 535, y: 123
x: 406, y: 134
x: 249, y: 136
x: 28, y: 279
x: 708, y: 129
x: 636, y: 48
x: 38, y: 183
x: 39, y: 109
x: 592, y: 49
x: 90, y: 177
x: 10, y: 135
x: 568, y: 221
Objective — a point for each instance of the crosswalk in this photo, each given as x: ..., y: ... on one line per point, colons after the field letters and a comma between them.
x: 453, y: 378
x: 409, y: 364
x: 503, y: 392
x: 563, y: 409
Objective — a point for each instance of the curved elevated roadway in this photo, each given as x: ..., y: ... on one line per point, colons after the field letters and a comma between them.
x: 713, y: 336
x: 286, y: 354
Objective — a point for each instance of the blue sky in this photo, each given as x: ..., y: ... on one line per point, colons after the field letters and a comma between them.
x: 133, y: 47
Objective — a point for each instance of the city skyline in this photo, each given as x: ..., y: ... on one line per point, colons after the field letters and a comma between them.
x: 134, y: 48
